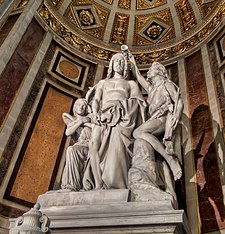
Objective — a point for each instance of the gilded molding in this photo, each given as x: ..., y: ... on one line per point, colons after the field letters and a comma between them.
x: 21, y: 4
x: 186, y: 15
x: 69, y: 14
x: 57, y: 3
x: 206, y: 6
x: 143, y: 56
x: 108, y: 1
x: 124, y: 4
x: 145, y: 4
x: 82, y: 2
x: 119, y: 30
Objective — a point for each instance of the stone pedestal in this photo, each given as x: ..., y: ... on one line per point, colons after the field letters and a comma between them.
x: 109, y: 211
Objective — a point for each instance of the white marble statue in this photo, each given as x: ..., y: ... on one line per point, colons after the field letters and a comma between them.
x: 76, y: 154
x: 119, y: 128
x: 164, y: 111
x: 117, y: 105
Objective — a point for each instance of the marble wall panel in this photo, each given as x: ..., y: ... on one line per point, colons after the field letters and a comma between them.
x: 217, y: 77
x: 69, y: 69
x: 25, y: 112
x: 42, y: 74
x: 173, y: 73
x: 221, y: 47
x: 40, y: 152
x: 15, y: 71
x: 7, y: 27
x: 210, y: 196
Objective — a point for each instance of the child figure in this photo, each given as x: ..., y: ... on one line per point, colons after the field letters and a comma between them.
x: 76, y: 154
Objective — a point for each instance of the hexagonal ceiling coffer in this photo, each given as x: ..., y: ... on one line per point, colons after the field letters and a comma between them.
x: 87, y: 17
x: 154, y: 30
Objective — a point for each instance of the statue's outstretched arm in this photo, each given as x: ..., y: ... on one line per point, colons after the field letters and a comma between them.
x: 143, y: 82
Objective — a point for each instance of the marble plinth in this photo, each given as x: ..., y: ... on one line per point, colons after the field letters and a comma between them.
x: 130, y: 217
x: 109, y: 211
x: 64, y: 198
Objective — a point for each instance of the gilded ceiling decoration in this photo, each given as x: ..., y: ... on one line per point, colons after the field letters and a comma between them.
x: 148, y: 4
x: 57, y: 3
x: 21, y: 4
x: 153, y: 29
x: 108, y: 1
x: 91, y: 18
x: 206, y: 6
x: 125, y: 4
x: 186, y: 15
x: 119, y: 30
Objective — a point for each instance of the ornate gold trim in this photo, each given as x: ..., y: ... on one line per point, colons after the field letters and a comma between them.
x: 205, y: 8
x: 163, y: 18
x: 57, y: 3
x: 108, y: 1
x: 119, y: 30
x: 144, y: 5
x: 186, y: 15
x: 124, y: 4
x: 144, y: 56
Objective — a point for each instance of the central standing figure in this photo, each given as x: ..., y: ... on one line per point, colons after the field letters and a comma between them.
x: 117, y: 105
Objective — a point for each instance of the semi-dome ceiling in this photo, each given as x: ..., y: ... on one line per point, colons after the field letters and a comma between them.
x: 153, y: 29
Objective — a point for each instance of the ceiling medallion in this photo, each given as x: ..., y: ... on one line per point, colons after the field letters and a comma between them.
x: 86, y: 17
x: 154, y: 30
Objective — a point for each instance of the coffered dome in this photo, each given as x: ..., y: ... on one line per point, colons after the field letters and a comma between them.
x: 153, y: 29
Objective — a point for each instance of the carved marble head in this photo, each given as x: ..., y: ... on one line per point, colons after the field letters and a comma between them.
x: 157, y: 69
x: 124, y: 65
x: 80, y: 107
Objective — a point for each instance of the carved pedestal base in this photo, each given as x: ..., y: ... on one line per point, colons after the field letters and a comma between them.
x: 105, y: 216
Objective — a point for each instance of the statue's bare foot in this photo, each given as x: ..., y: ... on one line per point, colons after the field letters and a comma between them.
x: 169, y: 147
x: 176, y: 168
